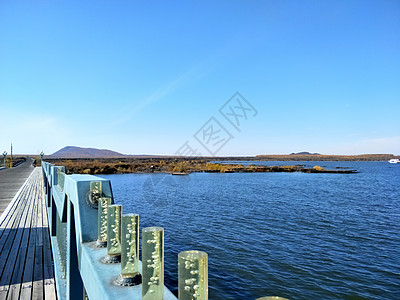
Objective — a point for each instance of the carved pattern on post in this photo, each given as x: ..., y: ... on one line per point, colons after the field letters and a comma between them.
x: 153, y: 263
x: 102, y: 222
x: 113, y: 234
x: 129, y: 251
x: 193, y: 275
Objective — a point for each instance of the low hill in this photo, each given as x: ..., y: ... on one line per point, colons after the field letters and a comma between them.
x: 78, y: 152
x: 304, y: 153
x: 321, y: 157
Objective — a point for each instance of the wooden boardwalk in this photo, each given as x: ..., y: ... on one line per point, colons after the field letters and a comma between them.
x: 26, y: 263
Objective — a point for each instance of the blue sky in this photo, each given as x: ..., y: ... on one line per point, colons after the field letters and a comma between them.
x: 144, y: 76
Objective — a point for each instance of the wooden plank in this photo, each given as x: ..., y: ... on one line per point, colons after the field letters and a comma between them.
x: 39, y: 240
x: 38, y: 284
x: 12, y: 217
x: 48, y: 271
x: 26, y: 287
x: 15, y: 287
x: 38, y: 290
x: 16, y: 254
x: 20, y: 217
x: 10, y: 250
x: 49, y: 281
x: 26, y: 262
x: 14, y: 206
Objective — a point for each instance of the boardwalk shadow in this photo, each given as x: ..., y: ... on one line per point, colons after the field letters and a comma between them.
x: 25, y: 256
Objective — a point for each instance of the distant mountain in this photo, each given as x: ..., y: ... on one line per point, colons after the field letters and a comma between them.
x: 78, y: 152
x: 304, y: 153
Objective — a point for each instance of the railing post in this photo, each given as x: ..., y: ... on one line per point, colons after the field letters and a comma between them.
x: 102, y: 222
x: 153, y: 263
x: 193, y: 275
x: 129, y: 251
x: 113, y: 234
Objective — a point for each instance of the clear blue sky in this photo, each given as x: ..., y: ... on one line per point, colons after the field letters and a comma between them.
x: 144, y: 76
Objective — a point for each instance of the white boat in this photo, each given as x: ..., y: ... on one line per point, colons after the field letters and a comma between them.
x: 394, y: 161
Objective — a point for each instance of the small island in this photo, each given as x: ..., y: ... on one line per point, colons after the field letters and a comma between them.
x: 177, y: 166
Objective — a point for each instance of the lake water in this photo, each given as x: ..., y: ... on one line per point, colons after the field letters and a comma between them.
x: 296, y: 235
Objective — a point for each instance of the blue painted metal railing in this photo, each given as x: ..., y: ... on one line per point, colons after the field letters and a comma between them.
x: 74, y: 232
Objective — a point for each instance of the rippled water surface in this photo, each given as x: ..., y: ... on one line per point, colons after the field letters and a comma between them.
x: 296, y: 235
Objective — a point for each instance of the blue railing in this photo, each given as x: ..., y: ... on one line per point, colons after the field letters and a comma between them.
x: 73, y: 224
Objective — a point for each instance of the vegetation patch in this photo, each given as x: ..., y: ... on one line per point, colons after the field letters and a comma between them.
x: 174, y: 165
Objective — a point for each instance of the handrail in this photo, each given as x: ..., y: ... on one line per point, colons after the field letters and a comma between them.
x: 83, y: 220
x: 73, y: 223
